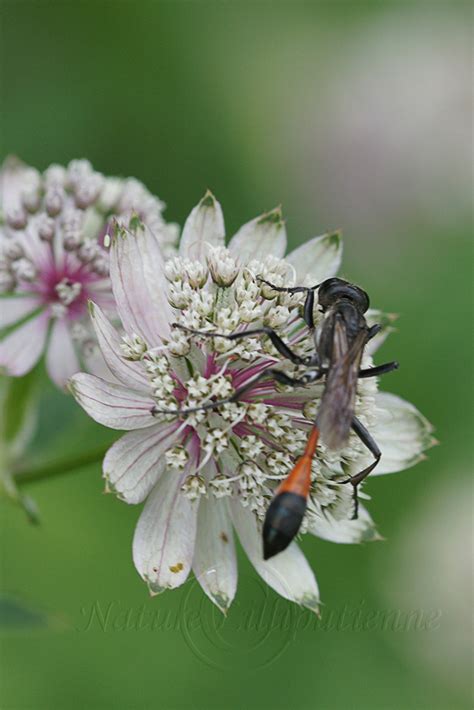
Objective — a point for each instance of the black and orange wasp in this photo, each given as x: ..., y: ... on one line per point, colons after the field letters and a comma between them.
x: 339, y: 343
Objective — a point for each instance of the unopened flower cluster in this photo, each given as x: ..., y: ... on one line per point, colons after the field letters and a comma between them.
x: 54, y: 229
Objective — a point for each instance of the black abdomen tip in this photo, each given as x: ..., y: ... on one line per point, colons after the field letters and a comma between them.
x: 282, y: 522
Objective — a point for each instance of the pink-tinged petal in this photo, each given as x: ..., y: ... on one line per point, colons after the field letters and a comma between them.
x: 35, y: 249
x: 22, y: 348
x: 288, y: 573
x: 133, y: 465
x: 94, y: 364
x: 14, y: 308
x: 139, y: 284
x: 112, y: 405
x: 318, y: 259
x: 402, y: 434
x: 262, y: 237
x: 61, y: 357
x: 128, y: 372
x: 345, y: 531
x: 215, y: 561
x: 204, y: 226
x: 163, y: 545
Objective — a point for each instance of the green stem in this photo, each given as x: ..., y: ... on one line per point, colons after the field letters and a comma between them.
x: 56, y: 467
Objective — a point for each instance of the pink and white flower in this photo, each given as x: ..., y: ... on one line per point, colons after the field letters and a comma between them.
x: 53, y: 260
x: 209, y: 473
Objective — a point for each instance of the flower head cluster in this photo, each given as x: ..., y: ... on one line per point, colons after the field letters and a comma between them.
x: 203, y: 469
x: 54, y: 233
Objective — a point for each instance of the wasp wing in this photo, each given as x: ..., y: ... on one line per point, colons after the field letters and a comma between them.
x: 335, y: 414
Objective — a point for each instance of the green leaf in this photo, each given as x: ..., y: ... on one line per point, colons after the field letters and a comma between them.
x: 19, y: 396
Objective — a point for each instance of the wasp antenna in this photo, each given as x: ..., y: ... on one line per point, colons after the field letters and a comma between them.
x: 286, y: 511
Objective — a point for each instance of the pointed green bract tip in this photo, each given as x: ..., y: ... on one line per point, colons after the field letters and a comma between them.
x: 109, y: 486
x: 334, y: 238
x: 117, y: 231
x: 154, y: 588
x: 370, y: 534
x: 90, y: 307
x: 275, y: 216
x: 311, y: 602
x: 135, y: 223
x: 208, y: 200
x: 222, y: 601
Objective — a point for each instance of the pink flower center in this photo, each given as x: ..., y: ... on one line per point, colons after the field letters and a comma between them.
x: 67, y: 288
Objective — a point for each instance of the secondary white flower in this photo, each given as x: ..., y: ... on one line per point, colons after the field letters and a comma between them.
x: 207, y: 473
x: 54, y: 233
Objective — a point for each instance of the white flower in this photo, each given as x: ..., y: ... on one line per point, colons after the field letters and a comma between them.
x: 54, y: 232
x: 210, y: 472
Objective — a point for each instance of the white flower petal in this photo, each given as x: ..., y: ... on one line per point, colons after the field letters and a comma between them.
x: 345, y: 531
x: 205, y: 225
x: 318, y: 259
x: 402, y: 434
x: 61, y: 358
x: 21, y: 349
x: 133, y: 465
x: 288, y: 573
x: 163, y: 544
x: 128, y: 372
x: 262, y: 237
x: 112, y: 405
x: 14, y: 308
x: 12, y: 182
x: 139, y: 284
x: 95, y: 364
x: 215, y: 562
x: 386, y: 320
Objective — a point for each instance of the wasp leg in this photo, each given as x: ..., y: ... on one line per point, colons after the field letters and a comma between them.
x: 309, y: 301
x: 306, y: 379
x: 373, y: 330
x: 276, y: 374
x: 370, y: 443
x: 308, y: 309
x: 277, y: 342
x: 379, y: 370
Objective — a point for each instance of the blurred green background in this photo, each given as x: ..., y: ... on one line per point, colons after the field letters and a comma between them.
x: 352, y: 115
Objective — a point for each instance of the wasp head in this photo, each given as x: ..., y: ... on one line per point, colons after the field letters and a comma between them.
x: 334, y: 289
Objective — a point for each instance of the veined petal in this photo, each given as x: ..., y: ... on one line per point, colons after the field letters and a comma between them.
x: 22, y: 348
x: 386, y: 320
x: 205, y: 225
x: 133, y: 465
x: 61, y: 358
x: 215, y: 562
x: 163, y: 545
x: 345, y: 531
x: 318, y: 259
x: 14, y: 308
x: 263, y: 236
x: 128, y: 372
x: 139, y: 285
x: 401, y: 432
x: 288, y: 573
x: 112, y: 405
